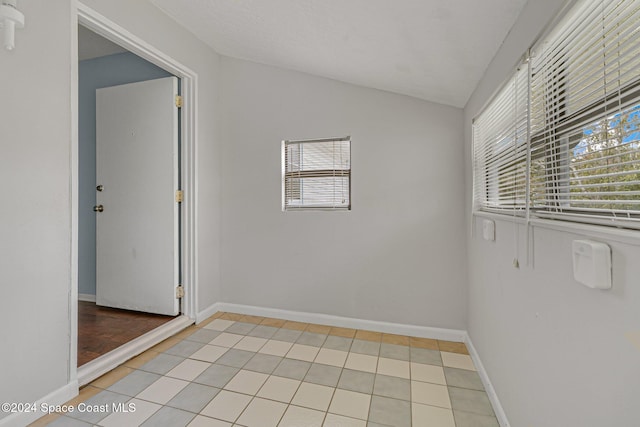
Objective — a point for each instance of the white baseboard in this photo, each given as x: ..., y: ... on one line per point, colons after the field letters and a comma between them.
x: 109, y: 361
x: 207, y: 312
x: 87, y: 297
x: 103, y: 364
x: 491, y: 392
x: 57, y: 397
x: 456, y: 335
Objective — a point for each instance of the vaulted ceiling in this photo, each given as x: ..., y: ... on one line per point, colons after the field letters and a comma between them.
x: 431, y: 49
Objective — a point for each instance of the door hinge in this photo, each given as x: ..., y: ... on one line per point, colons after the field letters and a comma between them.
x: 178, y: 101
x: 179, y: 292
x: 179, y: 196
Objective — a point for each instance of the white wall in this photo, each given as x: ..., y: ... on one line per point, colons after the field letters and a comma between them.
x: 398, y: 256
x: 558, y: 354
x: 149, y: 23
x: 36, y: 130
x: 35, y: 213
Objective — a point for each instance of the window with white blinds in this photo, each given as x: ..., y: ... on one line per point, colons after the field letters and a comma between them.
x: 585, y: 134
x: 500, y: 149
x: 317, y: 174
x: 582, y: 155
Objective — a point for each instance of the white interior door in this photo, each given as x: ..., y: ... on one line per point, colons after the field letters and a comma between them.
x: 137, y: 166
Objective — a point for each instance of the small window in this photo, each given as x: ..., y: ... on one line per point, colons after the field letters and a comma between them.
x: 316, y: 174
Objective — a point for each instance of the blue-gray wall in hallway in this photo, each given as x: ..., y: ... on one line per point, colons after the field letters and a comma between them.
x: 112, y: 70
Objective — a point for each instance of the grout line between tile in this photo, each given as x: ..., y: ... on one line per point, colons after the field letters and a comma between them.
x: 136, y: 364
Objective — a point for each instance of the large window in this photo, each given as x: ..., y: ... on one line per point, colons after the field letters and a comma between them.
x: 583, y: 147
x: 317, y: 174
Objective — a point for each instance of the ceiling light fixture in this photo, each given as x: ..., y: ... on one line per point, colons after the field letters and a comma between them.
x: 10, y: 19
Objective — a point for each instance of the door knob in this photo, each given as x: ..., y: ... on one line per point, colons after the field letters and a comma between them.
x: 98, y: 208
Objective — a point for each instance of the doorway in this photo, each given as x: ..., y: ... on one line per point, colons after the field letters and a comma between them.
x: 128, y: 222
x: 147, y: 332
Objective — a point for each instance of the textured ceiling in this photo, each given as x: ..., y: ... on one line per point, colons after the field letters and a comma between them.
x: 431, y: 49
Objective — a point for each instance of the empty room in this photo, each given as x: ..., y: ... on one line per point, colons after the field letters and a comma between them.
x: 366, y: 213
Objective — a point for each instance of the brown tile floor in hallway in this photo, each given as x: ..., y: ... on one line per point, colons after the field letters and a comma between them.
x: 235, y: 370
x: 102, y: 329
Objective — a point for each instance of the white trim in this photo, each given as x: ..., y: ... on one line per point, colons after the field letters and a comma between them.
x: 175, y: 153
x: 631, y: 237
x: 208, y: 312
x: 189, y: 165
x: 488, y: 386
x: 103, y: 26
x: 456, y: 335
x: 87, y: 297
x: 500, y: 217
x: 72, y: 374
x: 622, y: 235
x: 103, y: 364
x: 119, y: 35
x: 56, y: 397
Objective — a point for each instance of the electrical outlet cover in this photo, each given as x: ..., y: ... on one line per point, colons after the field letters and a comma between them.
x: 488, y: 230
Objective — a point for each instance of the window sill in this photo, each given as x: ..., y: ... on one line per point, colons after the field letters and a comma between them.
x: 627, y: 236
x: 500, y: 217
x: 310, y: 209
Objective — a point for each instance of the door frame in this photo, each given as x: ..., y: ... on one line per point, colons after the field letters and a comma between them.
x: 108, y: 29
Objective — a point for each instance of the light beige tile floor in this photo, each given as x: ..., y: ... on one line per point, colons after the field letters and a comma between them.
x: 250, y: 371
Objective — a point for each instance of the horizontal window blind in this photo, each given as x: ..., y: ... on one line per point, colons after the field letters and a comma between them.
x: 317, y: 174
x: 500, y: 141
x: 585, y: 116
